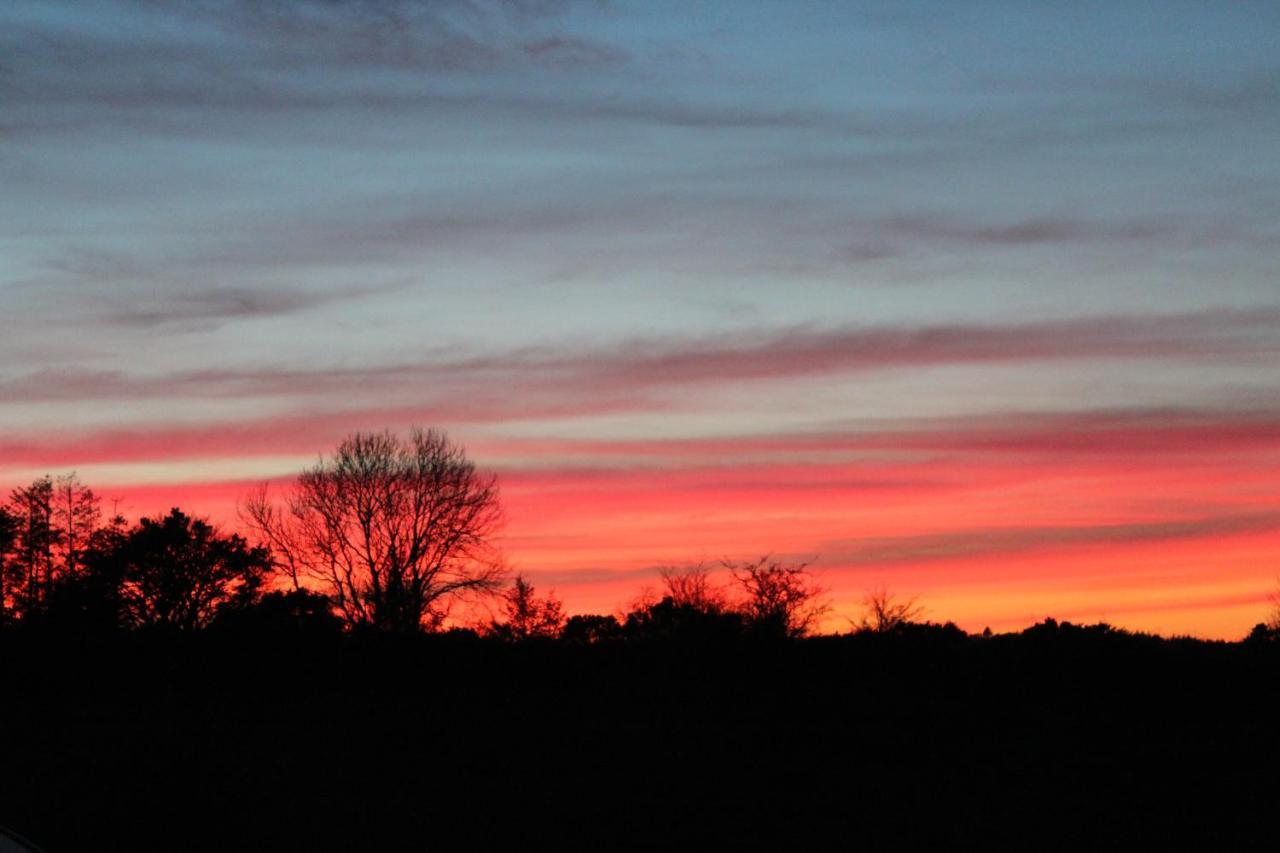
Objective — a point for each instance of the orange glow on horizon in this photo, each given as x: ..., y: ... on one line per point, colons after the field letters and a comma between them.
x: 1148, y: 541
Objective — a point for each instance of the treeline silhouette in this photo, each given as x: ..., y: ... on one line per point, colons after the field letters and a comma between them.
x: 168, y: 686
x: 387, y: 535
x: 66, y: 572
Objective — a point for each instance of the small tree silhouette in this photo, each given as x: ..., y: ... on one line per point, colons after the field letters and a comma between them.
x: 76, y: 515
x: 178, y: 571
x: 33, y: 563
x: 692, y: 587
x: 8, y: 540
x: 884, y: 612
x: 527, y: 615
x: 91, y: 598
x: 780, y: 599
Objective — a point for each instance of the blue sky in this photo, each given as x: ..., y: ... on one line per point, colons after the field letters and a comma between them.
x: 288, y: 186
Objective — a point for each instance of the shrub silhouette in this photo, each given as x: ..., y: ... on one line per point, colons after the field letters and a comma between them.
x: 591, y: 628
x: 668, y: 621
x: 282, y: 611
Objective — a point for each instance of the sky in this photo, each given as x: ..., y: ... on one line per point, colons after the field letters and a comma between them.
x: 975, y: 301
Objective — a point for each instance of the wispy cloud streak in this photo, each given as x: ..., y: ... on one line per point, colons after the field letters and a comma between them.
x: 966, y: 545
x: 1101, y: 434
x: 672, y: 362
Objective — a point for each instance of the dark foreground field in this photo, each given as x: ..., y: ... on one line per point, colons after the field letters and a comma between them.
x: 1059, y: 738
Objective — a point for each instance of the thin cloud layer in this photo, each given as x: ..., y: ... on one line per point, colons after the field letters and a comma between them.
x: 989, y: 542
x: 666, y: 362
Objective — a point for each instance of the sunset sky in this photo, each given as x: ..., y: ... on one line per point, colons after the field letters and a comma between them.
x: 978, y: 301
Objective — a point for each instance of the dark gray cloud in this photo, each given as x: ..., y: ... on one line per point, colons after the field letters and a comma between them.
x: 1026, y: 232
x: 242, y: 57
x: 422, y: 35
x: 99, y: 288
x: 213, y: 305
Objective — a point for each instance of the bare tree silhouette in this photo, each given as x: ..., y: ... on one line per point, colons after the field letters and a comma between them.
x: 76, y: 515
x: 1273, y: 618
x: 883, y: 611
x: 394, y: 531
x: 693, y: 587
x: 779, y: 598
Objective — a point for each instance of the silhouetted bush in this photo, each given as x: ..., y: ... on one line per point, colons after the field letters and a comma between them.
x: 281, y: 612
x: 588, y: 629
x: 668, y: 621
x: 1263, y: 633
